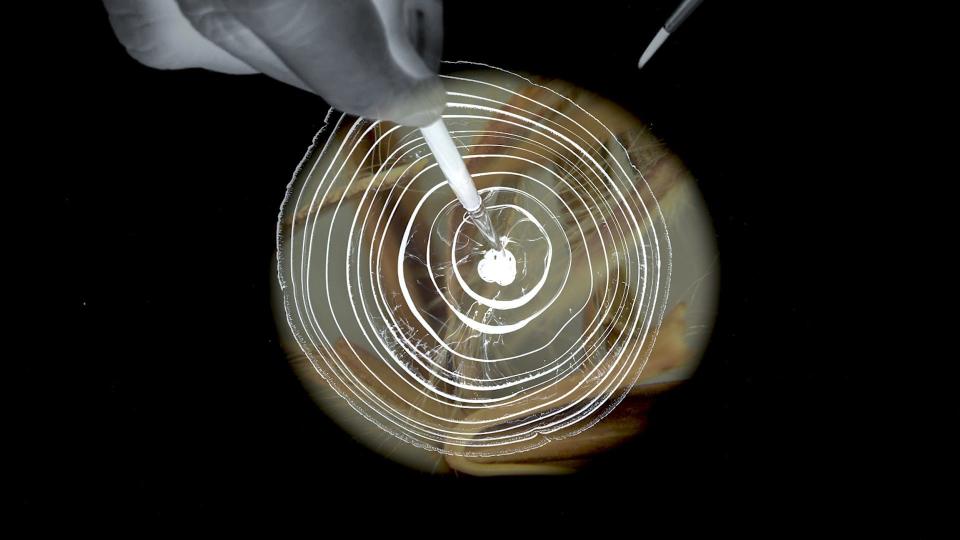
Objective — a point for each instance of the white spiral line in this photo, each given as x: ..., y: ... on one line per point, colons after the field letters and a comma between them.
x: 389, y: 314
x: 414, y: 423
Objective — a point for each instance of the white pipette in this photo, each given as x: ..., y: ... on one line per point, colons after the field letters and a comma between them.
x: 452, y: 166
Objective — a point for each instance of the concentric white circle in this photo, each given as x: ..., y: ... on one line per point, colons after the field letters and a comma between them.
x: 380, y: 272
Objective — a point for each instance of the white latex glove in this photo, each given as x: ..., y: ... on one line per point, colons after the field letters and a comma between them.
x: 371, y: 58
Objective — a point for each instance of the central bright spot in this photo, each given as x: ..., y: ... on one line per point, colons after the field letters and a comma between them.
x: 498, y: 266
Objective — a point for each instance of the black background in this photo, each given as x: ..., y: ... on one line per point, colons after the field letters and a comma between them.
x: 167, y: 188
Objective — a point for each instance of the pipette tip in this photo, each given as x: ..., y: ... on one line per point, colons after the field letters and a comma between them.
x: 658, y: 40
x: 481, y: 219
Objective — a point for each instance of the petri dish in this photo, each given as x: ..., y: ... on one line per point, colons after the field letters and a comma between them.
x: 425, y: 345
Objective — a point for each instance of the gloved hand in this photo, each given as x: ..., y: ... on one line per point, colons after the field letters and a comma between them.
x: 372, y: 58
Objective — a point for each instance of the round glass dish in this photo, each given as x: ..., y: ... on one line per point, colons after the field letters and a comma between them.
x: 389, y: 298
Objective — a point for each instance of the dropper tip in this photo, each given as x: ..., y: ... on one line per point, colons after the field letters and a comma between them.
x: 655, y: 44
x: 481, y: 220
